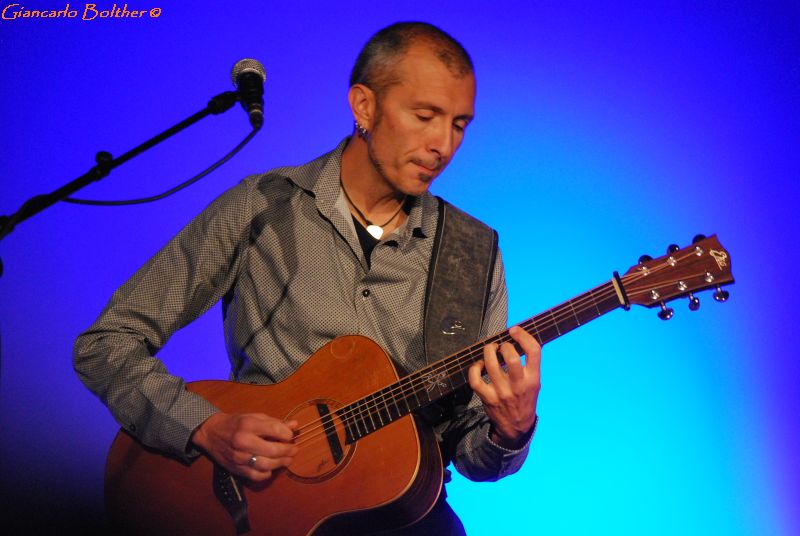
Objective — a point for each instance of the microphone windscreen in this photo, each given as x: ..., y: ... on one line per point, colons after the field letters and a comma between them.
x: 247, y: 65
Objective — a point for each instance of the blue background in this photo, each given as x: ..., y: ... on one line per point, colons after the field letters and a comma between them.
x: 603, y: 131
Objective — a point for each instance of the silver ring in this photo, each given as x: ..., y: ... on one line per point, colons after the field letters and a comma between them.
x: 252, y: 461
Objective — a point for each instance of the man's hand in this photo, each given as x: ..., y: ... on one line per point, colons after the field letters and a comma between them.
x: 251, y: 445
x: 510, y: 397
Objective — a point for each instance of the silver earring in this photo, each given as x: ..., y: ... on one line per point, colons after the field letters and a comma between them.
x: 362, y: 132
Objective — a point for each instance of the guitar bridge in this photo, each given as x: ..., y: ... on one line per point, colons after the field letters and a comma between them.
x: 230, y: 494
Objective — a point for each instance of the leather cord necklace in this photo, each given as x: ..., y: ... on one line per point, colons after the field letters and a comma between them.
x: 372, y: 228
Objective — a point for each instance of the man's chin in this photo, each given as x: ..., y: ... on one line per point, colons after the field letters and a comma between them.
x: 420, y: 186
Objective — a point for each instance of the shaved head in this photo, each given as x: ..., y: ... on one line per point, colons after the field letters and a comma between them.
x: 376, y: 63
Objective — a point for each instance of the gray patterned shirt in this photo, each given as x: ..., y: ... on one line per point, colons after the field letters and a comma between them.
x: 288, y: 286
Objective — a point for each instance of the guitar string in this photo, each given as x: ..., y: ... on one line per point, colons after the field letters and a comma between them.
x: 410, y: 385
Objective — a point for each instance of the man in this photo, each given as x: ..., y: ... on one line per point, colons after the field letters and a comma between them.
x: 302, y: 255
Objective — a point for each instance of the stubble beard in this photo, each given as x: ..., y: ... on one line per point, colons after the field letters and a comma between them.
x: 380, y: 169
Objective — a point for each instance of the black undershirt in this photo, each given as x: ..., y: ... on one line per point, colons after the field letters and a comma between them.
x: 367, y: 241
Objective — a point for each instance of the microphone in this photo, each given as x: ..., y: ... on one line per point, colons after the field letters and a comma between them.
x: 248, y: 76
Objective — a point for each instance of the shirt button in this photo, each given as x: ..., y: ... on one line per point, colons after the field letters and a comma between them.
x: 365, y: 292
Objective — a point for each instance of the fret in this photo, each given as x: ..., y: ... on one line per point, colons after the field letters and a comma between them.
x: 396, y: 414
x: 383, y: 411
x: 361, y: 425
x: 349, y: 436
x: 387, y: 399
x: 404, y: 398
x: 587, y: 314
x: 464, y: 375
x: 354, y: 421
x: 555, y: 322
x: 548, y: 332
x: 416, y: 398
x: 594, y: 302
x: 536, y: 335
x: 369, y: 413
x: 375, y: 410
x: 567, y: 321
x: 572, y: 308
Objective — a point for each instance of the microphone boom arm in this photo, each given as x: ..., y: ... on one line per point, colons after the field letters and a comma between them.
x: 105, y: 163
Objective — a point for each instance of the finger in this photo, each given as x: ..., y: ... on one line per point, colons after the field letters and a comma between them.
x: 264, y: 449
x: 475, y: 374
x: 264, y: 463
x: 529, y: 345
x: 243, y: 444
x: 270, y: 427
x: 513, y: 363
x: 273, y: 449
x: 497, y: 377
x: 256, y: 476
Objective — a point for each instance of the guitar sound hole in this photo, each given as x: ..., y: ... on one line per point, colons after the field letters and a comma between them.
x: 323, y: 451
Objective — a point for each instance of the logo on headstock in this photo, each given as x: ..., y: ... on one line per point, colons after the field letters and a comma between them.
x: 721, y: 257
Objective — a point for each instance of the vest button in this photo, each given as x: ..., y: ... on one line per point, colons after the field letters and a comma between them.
x: 365, y: 292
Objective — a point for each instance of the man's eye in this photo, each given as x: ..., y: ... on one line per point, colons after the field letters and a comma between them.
x: 459, y: 128
x: 424, y: 117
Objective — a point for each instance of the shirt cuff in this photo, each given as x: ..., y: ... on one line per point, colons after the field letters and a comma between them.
x: 513, y: 451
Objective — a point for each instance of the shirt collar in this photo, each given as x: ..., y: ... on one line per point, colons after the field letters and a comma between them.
x: 322, y: 179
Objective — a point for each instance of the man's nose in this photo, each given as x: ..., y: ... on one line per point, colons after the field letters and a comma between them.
x: 441, y: 140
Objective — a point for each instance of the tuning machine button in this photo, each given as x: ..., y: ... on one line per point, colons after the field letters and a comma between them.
x: 694, y: 302
x: 698, y: 238
x: 672, y: 248
x: 643, y: 259
x: 721, y: 295
x: 666, y: 312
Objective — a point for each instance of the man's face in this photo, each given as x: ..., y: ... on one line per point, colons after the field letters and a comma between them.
x: 419, y: 123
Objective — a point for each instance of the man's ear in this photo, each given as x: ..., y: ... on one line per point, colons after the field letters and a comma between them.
x: 362, y: 104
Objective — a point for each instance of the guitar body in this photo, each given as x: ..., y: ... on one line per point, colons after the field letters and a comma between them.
x: 387, y: 479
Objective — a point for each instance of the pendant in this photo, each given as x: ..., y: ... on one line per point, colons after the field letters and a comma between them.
x: 375, y: 231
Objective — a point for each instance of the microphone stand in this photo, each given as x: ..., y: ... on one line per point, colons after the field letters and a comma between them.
x: 105, y: 163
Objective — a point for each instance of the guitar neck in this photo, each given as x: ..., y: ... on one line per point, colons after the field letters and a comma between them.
x: 446, y: 375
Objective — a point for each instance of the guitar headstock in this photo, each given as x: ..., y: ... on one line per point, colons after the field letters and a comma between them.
x: 681, y: 272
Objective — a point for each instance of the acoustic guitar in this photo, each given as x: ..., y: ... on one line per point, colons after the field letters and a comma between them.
x: 365, y: 463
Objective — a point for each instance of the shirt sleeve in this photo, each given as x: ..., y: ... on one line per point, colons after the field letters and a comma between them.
x: 475, y: 455
x: 115, y: 357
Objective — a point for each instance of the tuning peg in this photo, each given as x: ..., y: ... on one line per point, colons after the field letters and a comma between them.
x: 697, y: 238
x: 721, y: 295
x: 694, y: 302
x: 645, y: 258
x: 672, y: 248
x: 666, y: 312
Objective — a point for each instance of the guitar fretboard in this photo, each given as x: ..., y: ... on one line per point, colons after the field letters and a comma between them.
x: 446, y: 375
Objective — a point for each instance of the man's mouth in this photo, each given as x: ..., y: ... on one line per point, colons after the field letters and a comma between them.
x: 430, y: 167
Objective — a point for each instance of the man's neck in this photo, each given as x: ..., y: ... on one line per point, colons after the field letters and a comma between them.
x: 365, y: 187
